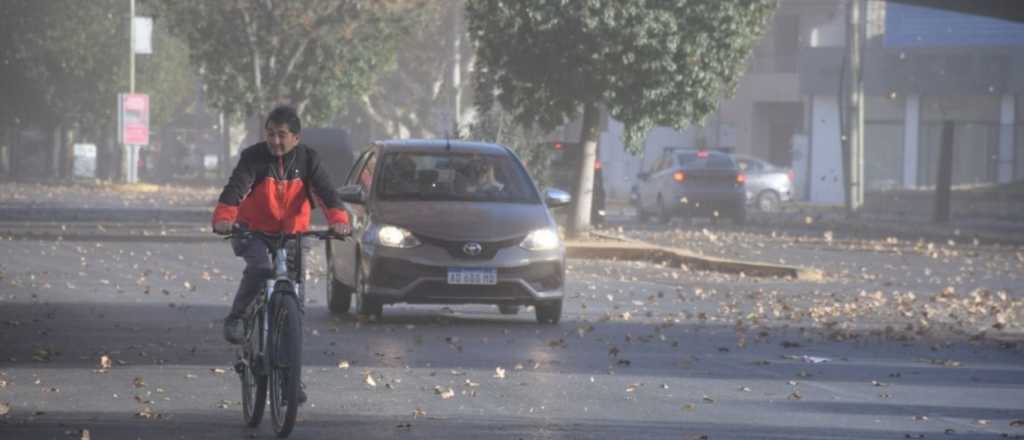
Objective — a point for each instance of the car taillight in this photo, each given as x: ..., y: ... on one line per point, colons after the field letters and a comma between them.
x: 597, y: 164
x: 791, y: 175
x: 679, y: 176
x: 741, y: 178
x: 703, y: 154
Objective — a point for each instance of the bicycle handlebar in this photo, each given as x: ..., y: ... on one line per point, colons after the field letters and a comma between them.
x: 239, y: 232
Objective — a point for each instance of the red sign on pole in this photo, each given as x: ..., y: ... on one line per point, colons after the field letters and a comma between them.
x: 133, y: 118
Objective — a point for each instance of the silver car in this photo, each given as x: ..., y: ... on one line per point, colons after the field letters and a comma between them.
x: 768, y: 185
x: 438, y: 222
x: 691, y: 183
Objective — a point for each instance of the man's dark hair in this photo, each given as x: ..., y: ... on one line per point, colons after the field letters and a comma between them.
x: 284, y: 114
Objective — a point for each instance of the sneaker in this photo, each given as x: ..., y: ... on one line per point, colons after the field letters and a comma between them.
x: 234, y: 330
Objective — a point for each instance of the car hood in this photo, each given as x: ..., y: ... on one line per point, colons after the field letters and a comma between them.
x: 464, y: 220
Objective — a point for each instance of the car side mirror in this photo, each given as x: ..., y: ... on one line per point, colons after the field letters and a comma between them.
x: 352, y: 194
x: 554, y: 198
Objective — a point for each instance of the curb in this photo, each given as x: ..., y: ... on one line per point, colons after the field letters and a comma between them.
x: 619, y: 248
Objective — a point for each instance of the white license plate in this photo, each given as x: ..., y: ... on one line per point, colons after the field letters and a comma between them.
x: 485, y: 277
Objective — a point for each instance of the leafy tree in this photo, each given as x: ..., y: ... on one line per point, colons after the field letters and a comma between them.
x: 646, y: 62
x: 64, y: 61
x: 315, y: 54
x: 407, y: 99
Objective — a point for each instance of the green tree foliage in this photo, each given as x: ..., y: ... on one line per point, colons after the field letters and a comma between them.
x: 407, y: 99
x: 646, y: 62
x: 315, y: 54
x: 649, y: 63
x: 64, y: 62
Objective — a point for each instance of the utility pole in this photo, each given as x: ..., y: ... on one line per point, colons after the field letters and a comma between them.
x: 457, y: 65
x: 855, y: 110
x: 131, y: 46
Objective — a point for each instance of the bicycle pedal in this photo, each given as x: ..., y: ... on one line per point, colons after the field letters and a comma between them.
x: 239, y: 367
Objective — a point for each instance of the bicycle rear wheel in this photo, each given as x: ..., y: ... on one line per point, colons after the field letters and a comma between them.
x: 254, y: 381
x: 285, y: 355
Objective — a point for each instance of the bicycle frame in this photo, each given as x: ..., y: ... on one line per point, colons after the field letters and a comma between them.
x: 280, y: 283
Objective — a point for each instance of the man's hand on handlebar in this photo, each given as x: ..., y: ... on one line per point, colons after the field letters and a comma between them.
x: 341, y: 229
x: 222, y: 228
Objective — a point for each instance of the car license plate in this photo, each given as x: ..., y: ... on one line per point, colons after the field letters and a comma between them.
x: 473, y: 276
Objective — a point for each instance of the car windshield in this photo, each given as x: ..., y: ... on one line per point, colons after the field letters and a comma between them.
x: 454, y: 177
x: 706, y: 160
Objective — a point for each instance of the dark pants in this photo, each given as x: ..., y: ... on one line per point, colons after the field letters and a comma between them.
x: 258, y: 267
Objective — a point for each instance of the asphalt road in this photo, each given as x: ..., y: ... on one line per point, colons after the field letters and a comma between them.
x: 643, y: 351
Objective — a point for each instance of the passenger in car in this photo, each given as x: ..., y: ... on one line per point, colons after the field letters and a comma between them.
x: 400, y: 174
x: 481, y: 178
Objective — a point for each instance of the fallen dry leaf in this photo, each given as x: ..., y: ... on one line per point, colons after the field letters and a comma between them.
x: 5, y: 408
x: 444, y: 393
x: 105, y: 362
x: 499, y: 373
x: 369, y: 380
x: 85, y: 435
x: 146, y: 413
x: 217, y: 370
x: 343, y: 365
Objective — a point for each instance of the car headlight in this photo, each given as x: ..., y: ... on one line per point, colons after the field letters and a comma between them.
x: 540, y: 240
x: 396, y: 237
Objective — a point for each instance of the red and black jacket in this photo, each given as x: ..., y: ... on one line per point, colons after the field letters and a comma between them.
x: 271, y: 193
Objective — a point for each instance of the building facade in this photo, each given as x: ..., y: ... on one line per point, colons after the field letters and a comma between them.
x: 921, y: 67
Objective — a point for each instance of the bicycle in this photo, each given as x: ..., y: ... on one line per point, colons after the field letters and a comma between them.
x: 271, y: 351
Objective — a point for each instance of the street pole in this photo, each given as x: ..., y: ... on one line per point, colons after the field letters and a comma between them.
x: 855, y: 113
x: 457, y: 66
x: 128, y: 152
x: 131, y: 46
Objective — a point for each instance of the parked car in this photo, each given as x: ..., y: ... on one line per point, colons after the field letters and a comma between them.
x: 691, y: 183
x: 768, y: 185
x: 438, y: 222
x: 564, y: 173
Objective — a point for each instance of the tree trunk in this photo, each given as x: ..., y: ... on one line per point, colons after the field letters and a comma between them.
x: 589, y: 133
x: 68, y: 154
x: 944, y: 180
x: 56, y: 152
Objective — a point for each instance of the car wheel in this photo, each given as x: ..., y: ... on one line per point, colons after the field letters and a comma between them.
x: 768, y: 201
x: 664, y: 216
x: 508, y: 309
x: 339, y: 296
x: 365, y: 306
x: 548, y: 312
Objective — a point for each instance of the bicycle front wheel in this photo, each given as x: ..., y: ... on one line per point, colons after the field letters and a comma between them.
x: 254, y: 381
x: 285, y: 354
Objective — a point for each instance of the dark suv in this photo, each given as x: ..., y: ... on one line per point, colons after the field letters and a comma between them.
x: 691, y: 183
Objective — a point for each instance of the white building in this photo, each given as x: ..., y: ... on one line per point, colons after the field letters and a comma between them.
x: 921, y: 66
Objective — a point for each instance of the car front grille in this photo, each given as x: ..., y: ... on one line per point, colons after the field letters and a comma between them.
x: 455, y: 247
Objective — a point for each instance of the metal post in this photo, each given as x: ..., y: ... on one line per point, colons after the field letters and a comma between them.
x: 457, y: 66
x: 131, y: 46
x: 855, y: 123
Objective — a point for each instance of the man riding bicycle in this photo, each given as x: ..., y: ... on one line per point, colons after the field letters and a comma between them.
x: 269, y: 191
